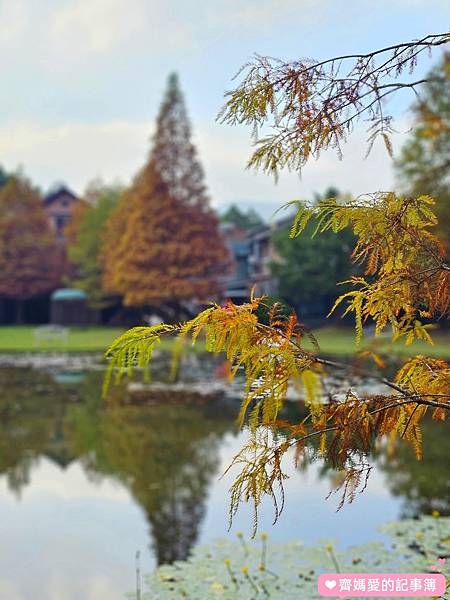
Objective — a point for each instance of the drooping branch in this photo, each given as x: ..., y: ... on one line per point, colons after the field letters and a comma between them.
x: 410, y: 397
x: 272, y: 355
x: 314, y: 105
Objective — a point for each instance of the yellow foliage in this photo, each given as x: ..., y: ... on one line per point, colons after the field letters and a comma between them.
x: 408, y: 279
x: 271, y: 357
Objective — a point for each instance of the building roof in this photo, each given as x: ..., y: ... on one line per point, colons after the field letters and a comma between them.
x: 57, y: 192
x: 68, y: 294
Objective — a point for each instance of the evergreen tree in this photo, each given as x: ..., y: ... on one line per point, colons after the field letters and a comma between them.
x: 308, y: 266
x: 244, y: 220
x: 162, y: 247
x: 161, y: 253
x: 30, y: 261
x: 3, y: 177
x: 173, y: 153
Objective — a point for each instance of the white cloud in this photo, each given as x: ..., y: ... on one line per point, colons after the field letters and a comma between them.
x: 95, y: 29
x: 78, y: 152
x: 8, y: 590
x: 261, y: 14
x: 75, y: 152
x: 13, y: 21
x: 96, y: 25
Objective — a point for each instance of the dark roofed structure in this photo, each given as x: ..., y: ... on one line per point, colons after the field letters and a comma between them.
x: 68, y: 306
x: 59, y: 204
x: 57, y: 192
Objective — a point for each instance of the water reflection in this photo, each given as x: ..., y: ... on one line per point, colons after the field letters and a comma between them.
x: 32, y: 415
x: 164, y: 452
x: 424, y: 485
x: 167, y: 450
x: 166, y: 456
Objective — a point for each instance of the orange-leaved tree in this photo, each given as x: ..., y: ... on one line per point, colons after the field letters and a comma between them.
x: 311, y: 106
x: 168, y: 252
x: 162, y: 248
x: 30, y: 260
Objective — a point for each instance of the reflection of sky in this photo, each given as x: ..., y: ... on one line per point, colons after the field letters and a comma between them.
x: 72, y: 538
x: 68, y: 537
x: 306, y: 515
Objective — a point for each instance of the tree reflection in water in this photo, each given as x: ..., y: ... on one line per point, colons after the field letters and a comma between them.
x: 166, y: 455
x: 164, y: 450
x: 32, y: 414
x: 423, y: 485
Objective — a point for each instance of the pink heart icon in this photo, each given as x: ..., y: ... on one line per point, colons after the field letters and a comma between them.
x: 441, y: 560
x: 330, y: 583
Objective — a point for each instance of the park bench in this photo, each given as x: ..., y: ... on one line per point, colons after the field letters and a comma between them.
x: 51, y: 333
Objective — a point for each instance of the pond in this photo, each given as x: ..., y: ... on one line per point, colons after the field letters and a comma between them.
x: 86, y: 484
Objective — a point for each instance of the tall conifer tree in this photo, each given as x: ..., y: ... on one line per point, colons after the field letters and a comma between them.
x: 162, y: 247
x: 173, y: 152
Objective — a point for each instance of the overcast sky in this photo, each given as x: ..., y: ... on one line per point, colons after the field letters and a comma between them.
x: 82, y: 81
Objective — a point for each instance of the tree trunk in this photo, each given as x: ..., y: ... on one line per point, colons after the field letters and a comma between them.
x: 20, y: 313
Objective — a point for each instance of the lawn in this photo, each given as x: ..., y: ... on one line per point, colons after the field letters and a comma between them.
x: 341, y: 341
x: 79, y: 339
x: 332, y: 340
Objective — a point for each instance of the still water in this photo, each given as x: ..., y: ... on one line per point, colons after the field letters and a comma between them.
x: 85, y: 484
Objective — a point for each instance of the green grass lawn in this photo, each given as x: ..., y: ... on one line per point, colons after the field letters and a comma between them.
x: 332, y: 340
x: 21, y: 338
x: 341, y: 341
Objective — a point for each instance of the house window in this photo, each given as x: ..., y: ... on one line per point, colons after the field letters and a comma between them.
x: 60, y: 223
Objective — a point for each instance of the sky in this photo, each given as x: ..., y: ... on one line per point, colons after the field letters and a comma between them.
x: 82, y: 81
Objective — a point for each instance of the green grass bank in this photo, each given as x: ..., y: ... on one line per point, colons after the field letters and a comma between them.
x: 333, y: 340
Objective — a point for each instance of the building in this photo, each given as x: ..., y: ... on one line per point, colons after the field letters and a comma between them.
x: 262, y: 254
x: 236, y: 282
x: 68, y: 306
x: 59, y: 205
x: 253, y: 252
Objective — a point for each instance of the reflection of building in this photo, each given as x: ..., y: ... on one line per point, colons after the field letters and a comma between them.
x: 59, y: 205
x: 252, y: 251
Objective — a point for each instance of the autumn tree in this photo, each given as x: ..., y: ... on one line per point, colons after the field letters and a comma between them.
x: 310, y: 106
x: 85, y: 233
x: 174, y: 154
x: 168, y: 253
x: 163, y: 249
x: 30, y: 262
x: 424, y: 164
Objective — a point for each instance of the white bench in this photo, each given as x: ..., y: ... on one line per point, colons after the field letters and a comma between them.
x: 51, y: 333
